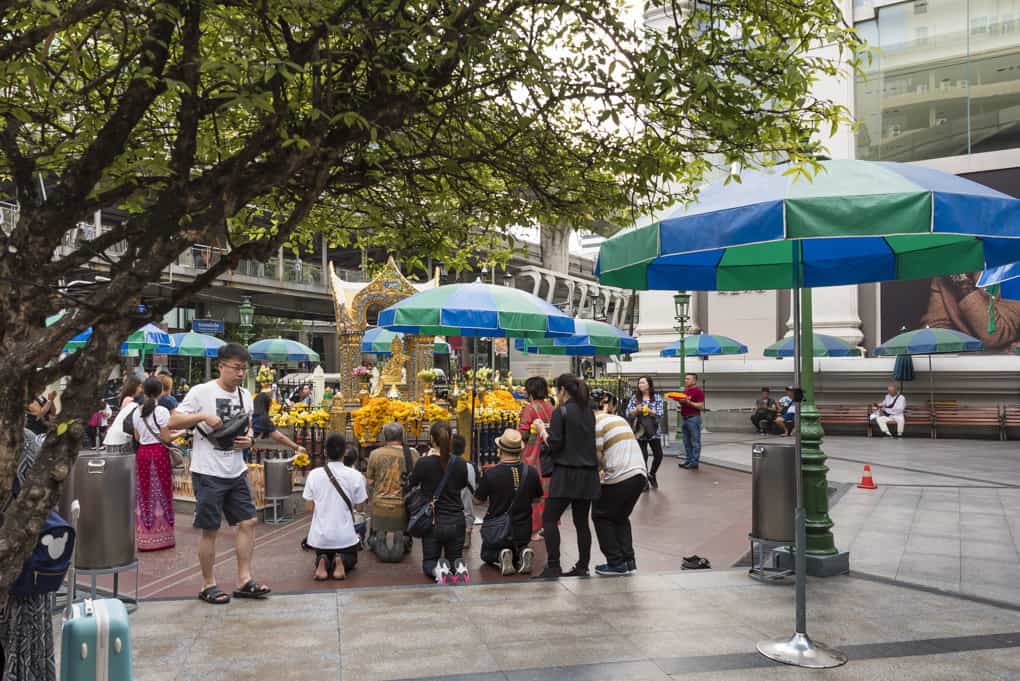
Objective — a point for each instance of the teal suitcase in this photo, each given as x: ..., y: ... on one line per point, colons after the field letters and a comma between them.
x: 95, y: 641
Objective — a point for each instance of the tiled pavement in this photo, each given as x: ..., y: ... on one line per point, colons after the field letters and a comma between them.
x: 699, y: 626
x: 946, y: 514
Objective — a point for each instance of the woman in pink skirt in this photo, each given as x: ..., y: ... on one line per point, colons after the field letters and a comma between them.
x: 537, y: 408
x: 154, y: 491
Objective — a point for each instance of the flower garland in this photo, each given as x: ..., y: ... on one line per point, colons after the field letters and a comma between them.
x: 368, y: 420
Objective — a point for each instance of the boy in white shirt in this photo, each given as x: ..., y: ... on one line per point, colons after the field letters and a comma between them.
x: 332, y: 494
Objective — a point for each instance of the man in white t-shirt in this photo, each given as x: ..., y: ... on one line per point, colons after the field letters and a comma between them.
x: 332, y: 533
x: 892, y: 408
x: 220, y: 476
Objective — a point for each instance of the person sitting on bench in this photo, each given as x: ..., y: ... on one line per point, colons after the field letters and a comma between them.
x: 891, y: 409
x: 765, y: 410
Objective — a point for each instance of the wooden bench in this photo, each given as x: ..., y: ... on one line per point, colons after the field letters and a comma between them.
x: 953, y: 415
x: 1010, y: 418
x: 844, y: 415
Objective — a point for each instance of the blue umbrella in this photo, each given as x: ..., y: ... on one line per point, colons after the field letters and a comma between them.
x: 705, y: 345
x: 591, y: 338
x: 929, y: 342
x: 824, y: 346
x: 191, y: 344
x: 379, y: 341
x: 282, y: 350
x: 1007, y: 277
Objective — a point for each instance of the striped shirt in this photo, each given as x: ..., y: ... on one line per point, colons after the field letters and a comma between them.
x: 618, y: 450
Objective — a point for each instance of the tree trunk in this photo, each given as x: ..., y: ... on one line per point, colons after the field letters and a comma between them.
x: 555, y: 246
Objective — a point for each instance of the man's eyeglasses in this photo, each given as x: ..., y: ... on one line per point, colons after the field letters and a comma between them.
x: 235, y: 367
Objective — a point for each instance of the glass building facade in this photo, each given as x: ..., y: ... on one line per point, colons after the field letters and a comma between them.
x: 944, y: 81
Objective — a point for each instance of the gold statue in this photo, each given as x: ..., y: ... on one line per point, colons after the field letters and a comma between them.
x: 394, y: 373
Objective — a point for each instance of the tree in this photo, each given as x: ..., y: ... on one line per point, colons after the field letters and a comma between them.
x: 424, y: 125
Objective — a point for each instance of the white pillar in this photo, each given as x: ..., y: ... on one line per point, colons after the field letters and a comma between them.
x: 318, y: 384
x: 655, y: 328
x: 835, y: 313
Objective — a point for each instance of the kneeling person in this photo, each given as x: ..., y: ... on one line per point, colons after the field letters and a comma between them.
x: 332, y: 493
x: 510, y: 487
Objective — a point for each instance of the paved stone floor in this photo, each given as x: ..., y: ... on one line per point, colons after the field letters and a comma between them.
x: 700, y: 625
x: 707, y: 513
x: 946, y: 514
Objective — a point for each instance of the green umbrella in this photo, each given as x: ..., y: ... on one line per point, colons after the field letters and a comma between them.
x: 590, y: 338
x: 930, y: 342
x: 192, y: 344
x: 379, y: 341
x: 824, y: 346
x: 282, y: 350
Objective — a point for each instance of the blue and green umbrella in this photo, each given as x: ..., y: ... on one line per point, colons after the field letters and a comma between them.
x: 192, y: 344
x: 824, y: 346
x: 705, y: 345
x: 591, y: 338
x: 379, y: 341
x: 477, y: 309
x: 857, y: 221
x: 282, y: 350
x: 1006, y: 278
x: 929, y: 342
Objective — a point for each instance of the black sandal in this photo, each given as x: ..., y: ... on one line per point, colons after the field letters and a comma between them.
x: 213, y: 594
x: 252, y: 589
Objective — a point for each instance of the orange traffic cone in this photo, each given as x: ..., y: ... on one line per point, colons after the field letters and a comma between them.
x: 867, y: 482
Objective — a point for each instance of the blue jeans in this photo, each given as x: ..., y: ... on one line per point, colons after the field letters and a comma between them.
x: 692, y: 439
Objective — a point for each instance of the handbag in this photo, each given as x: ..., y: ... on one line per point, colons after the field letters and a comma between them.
x: 176, y: 458
x: 546, y: 463
x: 421, y: 511
x: 499, y: 529
x: 350, y: 507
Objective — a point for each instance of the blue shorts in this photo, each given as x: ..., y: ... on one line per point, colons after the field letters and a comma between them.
x: 217, y: 498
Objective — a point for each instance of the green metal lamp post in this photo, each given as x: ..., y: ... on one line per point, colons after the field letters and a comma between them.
x: 247, y: 325
x: 682, y: 306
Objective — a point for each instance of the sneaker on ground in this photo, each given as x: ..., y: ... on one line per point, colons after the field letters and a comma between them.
x: 607, y: 570
x: 442, y: 572
x: 460, y: 572
x: 577, y: 572
x: 506, y: 562
x: 527, y: 560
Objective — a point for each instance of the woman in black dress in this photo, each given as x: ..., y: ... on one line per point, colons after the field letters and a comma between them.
x: 569, y: 441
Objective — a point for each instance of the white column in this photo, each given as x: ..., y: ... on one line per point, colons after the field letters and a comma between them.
x: 835, y: 313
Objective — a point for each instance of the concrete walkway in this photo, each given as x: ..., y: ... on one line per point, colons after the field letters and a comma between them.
x: 658, y: 627
x: 946, y: 514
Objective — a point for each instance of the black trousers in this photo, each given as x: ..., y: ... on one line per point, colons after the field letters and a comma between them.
x: 611, y: 515
x: 580, y: 510
x: 656, y: 444
x: 490, y: 552
x: 349, y: 557
x: 446, y: 540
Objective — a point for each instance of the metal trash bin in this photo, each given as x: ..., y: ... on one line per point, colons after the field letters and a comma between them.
x: 279, y: 482
x: 773, y: 502
x: 104, y: 485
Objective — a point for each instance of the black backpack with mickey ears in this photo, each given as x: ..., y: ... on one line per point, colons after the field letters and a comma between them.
x: 44, y: 570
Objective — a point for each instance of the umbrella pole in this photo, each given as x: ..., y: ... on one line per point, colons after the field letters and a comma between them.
x: 474, y: 391
x: 799, y: 650
x: 931, y: 395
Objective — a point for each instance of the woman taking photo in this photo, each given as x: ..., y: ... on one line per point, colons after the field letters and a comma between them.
x: 154, y: 489
x: 537, y: 409
x: 443, y: 547
x: 569, y: 442
x: 644, y: 411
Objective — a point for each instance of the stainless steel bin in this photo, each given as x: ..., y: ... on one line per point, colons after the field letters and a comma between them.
x: 773, y: 492
x: 104, y: 485
x: 279, y: 482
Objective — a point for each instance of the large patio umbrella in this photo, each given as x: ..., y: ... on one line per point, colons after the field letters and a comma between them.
x: 705, y: 345
x: 824, y: 346
x: 478, y: 310
x: 192, y: 344
x: 930, y: 342
x: 855, y: 222
x: 1006, y: 277
x: 590, y: 338
x: 146, y: 339
x: 282, y: 350
x: 379, y: 341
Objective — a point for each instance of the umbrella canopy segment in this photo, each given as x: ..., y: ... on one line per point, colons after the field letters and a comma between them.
x: 191, y: 344
x: 903, y: 370
x: 824, y: 346
x: 591, y: 338
x: 477, y: 309
x: 929, y: 342
x: 282, y: 350
x: 1007, y: 277
x: 379, y: 341
x: 149, y: 337
x: 705, y: 344
x: 858, y: 221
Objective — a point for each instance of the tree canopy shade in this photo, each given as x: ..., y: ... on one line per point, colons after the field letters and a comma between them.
x: 424, y: 126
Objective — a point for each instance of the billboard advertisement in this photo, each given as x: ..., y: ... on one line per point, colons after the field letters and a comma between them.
x: 951, y: 302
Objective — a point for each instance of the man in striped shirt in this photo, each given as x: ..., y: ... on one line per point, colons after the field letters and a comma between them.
x: 624, y: 476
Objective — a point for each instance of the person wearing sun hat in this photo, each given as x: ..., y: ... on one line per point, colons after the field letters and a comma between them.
x: 510, y: 487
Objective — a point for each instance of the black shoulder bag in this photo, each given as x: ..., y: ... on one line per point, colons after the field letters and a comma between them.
x: 546, y: 463
x: 421, y: 511
x: 499, y: 529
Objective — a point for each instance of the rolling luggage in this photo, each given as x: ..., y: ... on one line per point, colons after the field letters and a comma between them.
x: 95, y: 642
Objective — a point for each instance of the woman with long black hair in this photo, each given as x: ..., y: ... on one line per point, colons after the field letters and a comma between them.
x: 645, y: 411
x: 569, y: 442
x: 443, y: 547
x: 154, y: 485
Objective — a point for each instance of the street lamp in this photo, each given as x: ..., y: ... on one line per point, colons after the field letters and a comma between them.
x: 682, y: 308
x: 247, y: 313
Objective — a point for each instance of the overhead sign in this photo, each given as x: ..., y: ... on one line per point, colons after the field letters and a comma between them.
x: 212, y: 326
